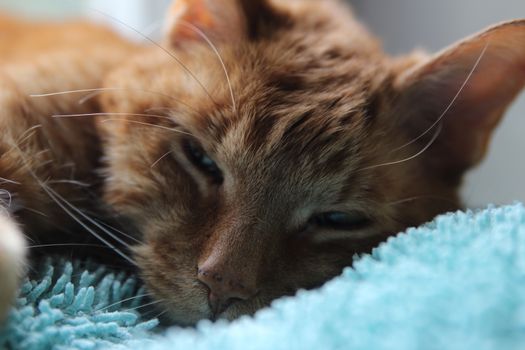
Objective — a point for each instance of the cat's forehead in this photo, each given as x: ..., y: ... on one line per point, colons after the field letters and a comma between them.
x: 299, y: 98
x: 278, y: 133
x: 298, y: 153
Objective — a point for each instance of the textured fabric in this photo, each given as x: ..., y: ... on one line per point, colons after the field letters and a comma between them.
x: 75, y: 306
x: 456, y: 283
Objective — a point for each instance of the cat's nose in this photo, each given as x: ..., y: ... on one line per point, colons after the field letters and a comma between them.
x: 225, y: 285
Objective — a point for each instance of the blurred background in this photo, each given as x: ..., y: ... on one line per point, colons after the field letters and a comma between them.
x: 432, y: 25
x: 402, y: 24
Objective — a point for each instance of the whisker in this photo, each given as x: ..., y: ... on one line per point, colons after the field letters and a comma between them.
x: 37, y: 212
x: 215, y: 49
x: 42, y: 152
x: 434, y: 138
x: 6, y: 193
x: 7, y: 181
x: 70, y: 182
x: 90, y: 96
x: 161, y: 314
x: 49, y: 191
x: 118, y: 231
x: 27, y: 134
x: 95, y: 92
x: 188, y: 71
x: 110, y: 114
x: 92, y: 221
x: 98, y: 91
x: 471, y: 73
x: 124, y: 300
x: 148, y: 124
x: 67, y: 245
x: 145, y: 305
x: 411, y: 199
x: 57, y: 199
x: 43, y: 164
x: 161, y: 158
x: 77, y: 91
x: 22, y: 138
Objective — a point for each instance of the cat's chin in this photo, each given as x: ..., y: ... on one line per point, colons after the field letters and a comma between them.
x: 190, y: 319
x: 186, y: 318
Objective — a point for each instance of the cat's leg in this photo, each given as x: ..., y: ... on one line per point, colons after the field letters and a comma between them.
x: 35, y: 152
x: 12, y: 261
x: 46, y: 160
x: 43, y: 158
x: 13, y: 183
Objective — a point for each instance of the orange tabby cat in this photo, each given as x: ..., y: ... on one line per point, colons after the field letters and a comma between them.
x: 253, y: 154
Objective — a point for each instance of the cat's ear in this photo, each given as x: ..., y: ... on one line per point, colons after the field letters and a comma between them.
x: 220, y: 20
x: 463, y: 92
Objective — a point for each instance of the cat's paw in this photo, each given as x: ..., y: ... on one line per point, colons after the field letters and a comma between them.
x: 12, y: 262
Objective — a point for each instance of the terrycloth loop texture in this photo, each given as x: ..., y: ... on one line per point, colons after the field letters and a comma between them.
x: 457, y: 283
x: 75, y: 306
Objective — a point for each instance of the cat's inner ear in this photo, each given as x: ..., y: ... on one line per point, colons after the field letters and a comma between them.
x: 463, y: 92
x: 220, y: 20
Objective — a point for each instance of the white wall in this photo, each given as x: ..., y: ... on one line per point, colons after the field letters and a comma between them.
x: 146, y: 16
x: 44, y: 8
x: 434, y: 24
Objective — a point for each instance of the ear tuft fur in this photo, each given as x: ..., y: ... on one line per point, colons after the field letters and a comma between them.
x: 466, y: 89
x: 221, y: 20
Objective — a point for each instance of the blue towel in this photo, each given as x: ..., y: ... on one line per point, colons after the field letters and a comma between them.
x: 456, y: 283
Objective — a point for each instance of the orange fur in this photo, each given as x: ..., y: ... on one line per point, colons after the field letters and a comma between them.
x: 317, y: 119
x: 36, y: 59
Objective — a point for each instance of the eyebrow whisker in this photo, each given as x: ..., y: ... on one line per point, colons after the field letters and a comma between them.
x: 434, y: 138
x: 161, y: 158
x: 216, y: 51
x: 451, y: 104
x: 110, y: 114
x: 168, y: 52
x: 148, y: 124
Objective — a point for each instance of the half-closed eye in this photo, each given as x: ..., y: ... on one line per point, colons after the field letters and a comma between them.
x: 341, y: 221
x: 202, y: 161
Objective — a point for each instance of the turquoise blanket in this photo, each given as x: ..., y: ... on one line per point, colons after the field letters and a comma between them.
x: 456, y: 283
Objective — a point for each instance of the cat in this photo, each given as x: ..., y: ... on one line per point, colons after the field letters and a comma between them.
x: 253, y: 153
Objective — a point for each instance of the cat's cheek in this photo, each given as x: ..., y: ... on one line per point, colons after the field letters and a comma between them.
x: 171, y: 279
x: 245, y: 308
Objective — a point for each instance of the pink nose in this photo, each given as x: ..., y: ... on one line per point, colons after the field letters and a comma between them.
x: 225, y: 287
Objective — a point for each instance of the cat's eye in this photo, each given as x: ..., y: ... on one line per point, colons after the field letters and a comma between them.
x: 203, y: 161
x: 341, y: 221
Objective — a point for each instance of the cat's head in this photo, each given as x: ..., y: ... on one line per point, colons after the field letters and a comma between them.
x: 281, y: 142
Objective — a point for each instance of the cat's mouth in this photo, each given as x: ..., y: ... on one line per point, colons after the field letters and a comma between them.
x: 217, y: 307
x: 204, y: 312
x: 195, y: 305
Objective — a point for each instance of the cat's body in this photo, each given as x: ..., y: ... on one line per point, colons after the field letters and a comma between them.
x: 319, y: 145
x: 39, y: 58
